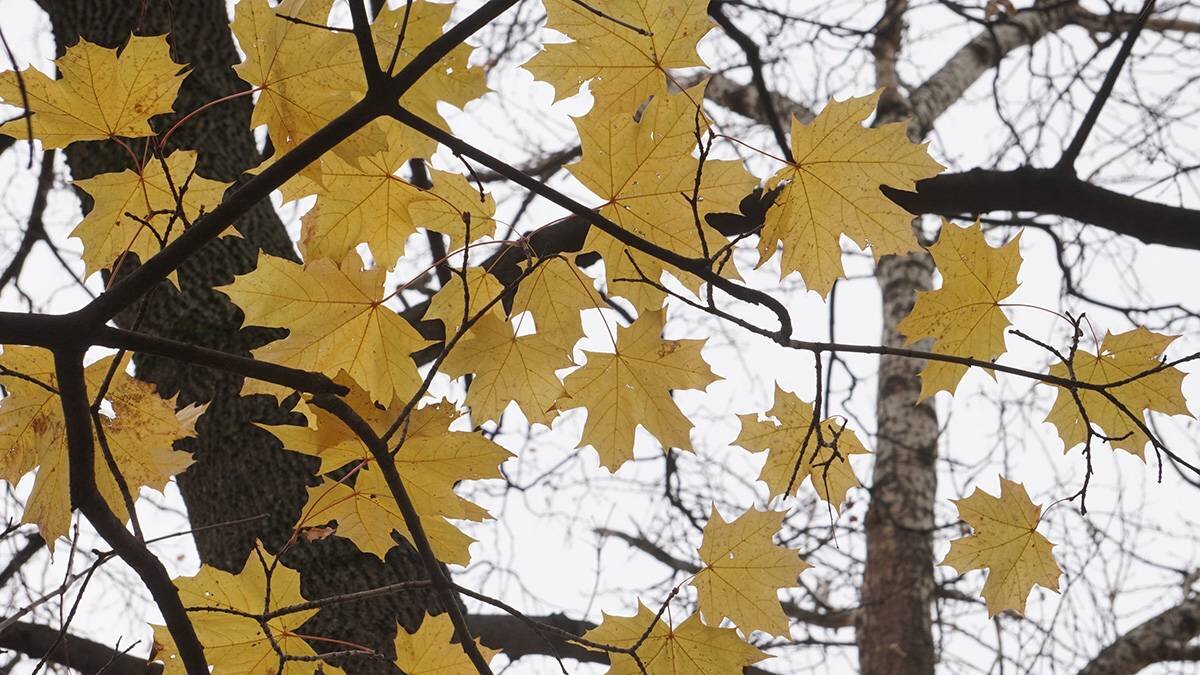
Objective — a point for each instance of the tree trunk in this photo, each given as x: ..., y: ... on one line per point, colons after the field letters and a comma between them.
x: 894, y: 632
x: 232, y: 455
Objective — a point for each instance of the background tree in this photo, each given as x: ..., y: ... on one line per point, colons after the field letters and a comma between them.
x: 793, y: 61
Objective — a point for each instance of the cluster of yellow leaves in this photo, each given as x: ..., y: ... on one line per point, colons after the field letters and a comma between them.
x: 640, y: 146
x: 138, y: 435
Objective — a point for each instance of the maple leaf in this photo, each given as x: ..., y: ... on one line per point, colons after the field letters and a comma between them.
x: 632, y: 387
x: 691, y: 648
x: 508, y: 368
x: 644, y: 171
x: 234, y: 643
x: 963, y: 317
x: 1007, y: 543
x: 149, y: 194
x: 448, y: 303
x: 743, y: 571
x: 337, y: 321
x: 430, y: 651
x: 99, y: 96
x: 33, y: 433
x: 365, y: 201
x: 555, y: 293
x: 305, y: 76
x: 1121, y: 356
x: 450, y: 81
x: 791, y: 440
x: 832, y: 188
x: 431, y: 460
x: 625, y: 53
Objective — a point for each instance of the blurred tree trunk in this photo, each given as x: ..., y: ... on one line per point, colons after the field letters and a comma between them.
x: 894, y: 630
x: 241, y: 471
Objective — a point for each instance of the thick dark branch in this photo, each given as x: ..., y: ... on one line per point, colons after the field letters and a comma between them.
x: 1050, y: 192
x: 86, y: 497
x: 300, y: 380
x: 78, y: 653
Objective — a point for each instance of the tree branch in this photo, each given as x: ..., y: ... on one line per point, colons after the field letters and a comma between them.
x: 1052, y: 192
x: 78, y: 653
x: 81, y: 454
x: 1161, y: 638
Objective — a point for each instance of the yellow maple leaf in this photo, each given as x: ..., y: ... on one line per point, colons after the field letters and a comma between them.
x: 450, y: 81
x: 1122, y: 356
x: 108, y: 234
x: 791, y: 442
x: 336, y: 445
x: 832, y: 188
x: 744, y: 570
x: 139, y: 436
x: 691, y: 648
x: 1007, y: 543
x: 963, y: 317
x: 431, y: 461
x: 99, y: 95
x: 632, y: 387
x: 234, y: 643
x: 305, y: 76
x: 337, y: 321
x: 625, y: 53
x: 430, y: 651
x: 644, y: 171
x: 448, y: 303
x: 508, y: 368
x: 555, y: 293
x: 365, y: 201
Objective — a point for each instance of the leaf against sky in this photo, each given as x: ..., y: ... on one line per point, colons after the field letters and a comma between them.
x: 555, y: 293
x: 450, y: 81
x: 108, y: 233
x: 791, y: 438
x: 99, y: 95
x: 366, y: 201
x: 1007, y: 543
x: 234, y: 643
x: 508, y: 368
x: 832, y: 189
x: 963, y: 317
x: 744, y: 570
x: 305, y: 76
x: 429, y: 651
x: 431, y: 461
x: 33, y: 433
x: 644, y: 172
x: 632, y: 387
x: 336, y: 321
x: 448, y: 303
x: 691, y: 648
x: 625, y: 67
x: 1122, y: 356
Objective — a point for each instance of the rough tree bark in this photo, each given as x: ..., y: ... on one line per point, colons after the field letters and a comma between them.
x: 232, y: 455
